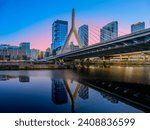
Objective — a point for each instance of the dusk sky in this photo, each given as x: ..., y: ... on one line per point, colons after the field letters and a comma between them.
x: 31, y: 20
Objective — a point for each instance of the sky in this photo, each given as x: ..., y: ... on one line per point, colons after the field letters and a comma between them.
x: 31, y: 20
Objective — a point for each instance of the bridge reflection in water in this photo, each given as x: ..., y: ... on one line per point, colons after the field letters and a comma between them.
x: 60, y: 89
x: 112, y: 91
x: 72, y: 91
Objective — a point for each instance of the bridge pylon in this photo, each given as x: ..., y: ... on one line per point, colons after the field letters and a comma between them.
x: 72, y: 30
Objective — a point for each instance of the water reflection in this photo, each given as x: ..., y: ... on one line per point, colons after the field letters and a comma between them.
x: 24, y: 79
x: 72, y: 95
x: 109, y: 97
x: 135, y: 74
x: 60, y: 89
x: 84, y: 92
x: 59, y: 94
x: 6, y: 77
x: 74, y: 89
x: 65, y: 91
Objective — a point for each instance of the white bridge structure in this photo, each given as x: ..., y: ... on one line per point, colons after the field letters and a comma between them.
x: 73, y: 30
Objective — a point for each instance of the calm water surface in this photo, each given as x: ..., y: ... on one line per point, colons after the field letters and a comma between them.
x: 60, y: 91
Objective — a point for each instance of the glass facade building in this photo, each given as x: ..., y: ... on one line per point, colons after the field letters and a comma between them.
x: 83, y: 33
x: 59, y: 34
x: 26, y: 47
x: 137, y: 27
x: 110, y: 31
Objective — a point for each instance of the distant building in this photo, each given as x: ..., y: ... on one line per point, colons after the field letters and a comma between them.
x: 48, y: 52
x: 110, y: 31
x: 41, y: 55
x: 8, y: 52
x: 34, y: 54
x: 83, y: 33
x: 59, y: 34
x: 26, y: 47
x: 137, y: 27
x: 71, y: 47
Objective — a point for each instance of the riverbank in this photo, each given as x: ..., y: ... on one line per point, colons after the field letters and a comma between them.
x: 29, y: 66
x: 67, y: 65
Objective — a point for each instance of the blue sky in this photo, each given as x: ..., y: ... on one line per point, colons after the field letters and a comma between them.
x: 31, y: 20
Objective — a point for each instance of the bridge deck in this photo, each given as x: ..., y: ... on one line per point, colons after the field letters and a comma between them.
x: 139, y: 41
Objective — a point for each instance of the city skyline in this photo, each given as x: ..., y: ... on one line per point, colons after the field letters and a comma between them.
x: 25, y: 21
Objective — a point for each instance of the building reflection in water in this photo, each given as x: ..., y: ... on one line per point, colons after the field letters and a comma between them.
x: 71, y: 94
x: 6, y: 77
x: 24, y: 79
x: 61, y: 89
x: 59, y: 94
x: 84, y: 92
x: 109, y: 97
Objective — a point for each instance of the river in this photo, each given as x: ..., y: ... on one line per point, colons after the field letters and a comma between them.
x: 62, y: 91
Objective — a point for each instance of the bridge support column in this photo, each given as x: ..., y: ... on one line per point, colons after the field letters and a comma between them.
x: 103, y: 58
x: 120, y: 57
x: 104, y: 62
x: 144, y: 57
x: 148, y: 57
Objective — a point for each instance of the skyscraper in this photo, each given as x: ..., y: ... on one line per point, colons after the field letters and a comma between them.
x: 83, y: 33
x: 109, y: 31
x: 26, y: 47
x: 59, y: 34
x: 137, y: 27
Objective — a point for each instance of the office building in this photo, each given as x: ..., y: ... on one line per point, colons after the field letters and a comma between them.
x: 83, y: 33
x: 26, y: 47
x: 8, y: 52
x: 41, y: 55
x: 110, y: 31
x: 48, y: 52
x: 71, y: 47
x: 137, y: 27
x: 59, y: 34
x: 34, y: 54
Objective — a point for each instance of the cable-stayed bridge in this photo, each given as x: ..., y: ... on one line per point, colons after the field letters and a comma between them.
x: 135, y: 42
x: 128, y: 43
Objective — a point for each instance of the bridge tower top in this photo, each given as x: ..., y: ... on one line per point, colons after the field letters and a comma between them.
x: 73, y: 18
x: 72, y: 30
